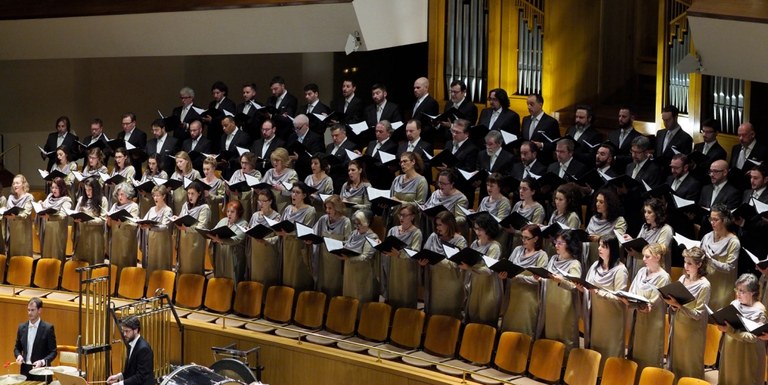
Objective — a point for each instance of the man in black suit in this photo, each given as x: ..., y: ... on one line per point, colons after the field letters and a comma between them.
x: 746, y: 154
x: 566, y: 165
x: 529, y: 162
x: 414, y: 143
x: 139, y: 364
x: 338, y: 149
x: 461, y: 102
x: 381, y: 176
x: 758, y: 179
x: 752, y: 230
x: 232, y: 138
x: 216, y: 108
x: 671, y: 139
x: 498, y: 116
x: 197, y: 143
x: 251, y: 118
x: 466, y: 153
x: 585, y: 136
x: 308, y: 139
x: 62, y: 137
x: 642, y: 167
x: 494, y: 159
x: 264, y: 146
x: 350, y: 106
x: 381, y: 109
x: 314, y: 106
x: 622, y: 137
x: 186, y: 113
x: 681, y: 180
x: 711, y: 149
x: 97, y: 135
x: 424, y: 105
x: 604, y: 158
x: 42, y: 338
x: 164, y: 146
x: 720, y: 191
x: 540, y: 128
x: 285, y: 104
x: 135, y: 137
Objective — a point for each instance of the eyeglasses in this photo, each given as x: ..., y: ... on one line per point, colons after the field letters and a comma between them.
x: 527, y: 238
x: 560, y: 242
x: 739, y: 291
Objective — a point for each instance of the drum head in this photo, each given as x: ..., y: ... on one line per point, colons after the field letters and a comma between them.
x: 196, y: 375
x: 233, y: 368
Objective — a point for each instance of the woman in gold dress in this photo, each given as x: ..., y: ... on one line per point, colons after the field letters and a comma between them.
x: 297, y: 266
x: 89, y: 239
x: 183, y: 171
x: 191, y: 245
x: 229, y: 254
x: 561, y: 299
x: 214, y: 196
x: 337, y: 226
x: 722, y: 248
x: 54, y: 226
x: 264, y: 260
x: 156, y: 238
x: 484, y: 297
x: 401, y: 273
x: 279, y: 175
x: 123, y: 249
x: 444, y: 284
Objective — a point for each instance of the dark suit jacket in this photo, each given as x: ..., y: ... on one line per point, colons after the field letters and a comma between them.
x: 68, y: 143
x: 584, y: 153
x: 717, y: 152
x: 139, y: 368
x: 390, y: 113
x: 503, y: 166
x: 389, y: 146
x: 420, y: 148
x: 182, y: 132
x: 314, y: 144
x: 138, y: 140
x: 575, y: 168
x: 729, y: 195
x: 759, y: 153
x: 681, y: 141
x: 44, y: 347
x: 264, y: 164
x: 747, y: 196
x: 537, y: 168
x: 214, y: 127
x: 508, y: 121
x: 252, y: 125
x: 649, y: 173
x: 232, y: 157
x: 203, y: 146
x: 467, y: 156
x: 690, y: 188
x: 469, y: 110
x: 354, y: 112
x: 339, y: 172
x: 550, y: 127
x: 623, y: 157
x: 164, y: 160
x: 314, y: 123
x: 289, y: 103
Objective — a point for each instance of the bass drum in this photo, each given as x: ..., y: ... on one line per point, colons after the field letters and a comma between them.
x: 197, y: 375
x: 233, y: 368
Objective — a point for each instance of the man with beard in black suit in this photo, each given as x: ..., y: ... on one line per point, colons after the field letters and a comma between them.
x: 540, y: 128
x: 252, y: 120
x: 285, y: 104
x: 586, y: 137
x: 350, y: 106
x: 308, y: 139
x: 197, y: 143
x: 62, y: 137
x: 623, y: 136
x: 136, y: 137
x: 314, y: 106
x: 139, y: 364
x: 466, y: 153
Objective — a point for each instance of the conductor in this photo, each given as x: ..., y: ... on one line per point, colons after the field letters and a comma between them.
x: 35, y: 341
x: 139, y: 365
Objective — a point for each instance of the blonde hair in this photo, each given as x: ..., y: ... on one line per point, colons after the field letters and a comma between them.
x: 24, y: 183
x: 281, y: 154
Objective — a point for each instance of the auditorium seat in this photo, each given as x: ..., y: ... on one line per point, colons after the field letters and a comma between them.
x: 656, y: 376
x: 546, y: 362
x: 510, y: 361
x: 342, y: 315
x: 619, y: 371
x: 70, y: 281
x: 20, y: 271
x: 582, y: 367
x: 475, y: 351
x: 712, y: 345
x: 691, y: 381
x: 372, y: 330
x: 132, y: 281
x: 103, y: 272
x: 310, y: 309
x: 405, y: 337
x: 439, y: 344
x: 68, y: 355
x: 161, y: 279
x: 218, y: 299
x: 278, y: 308
x: 248, y: 298
x: 191, y: 296
x: 47, y: 272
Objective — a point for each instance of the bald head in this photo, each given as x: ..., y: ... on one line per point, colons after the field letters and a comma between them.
x: 746, y: 133
x: 420, y: 87
x: 718, y: 171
